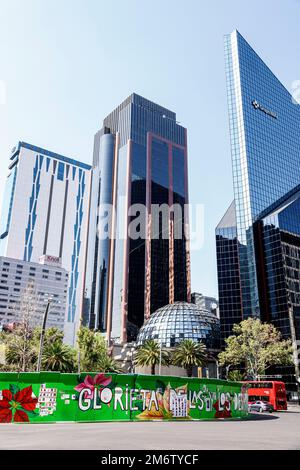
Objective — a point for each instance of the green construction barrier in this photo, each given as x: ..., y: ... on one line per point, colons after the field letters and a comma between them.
x: 90, y: 397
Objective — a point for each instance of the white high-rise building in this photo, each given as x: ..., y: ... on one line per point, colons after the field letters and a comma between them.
x: 25, y: 289
x: 45, y: 213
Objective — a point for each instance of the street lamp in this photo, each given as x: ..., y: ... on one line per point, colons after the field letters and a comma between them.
x: 295, y: 347
x: 160, y: 358
x: 39, y: 362
x: 160, y: 352
x: 217, y: 366
x: 132, y: 351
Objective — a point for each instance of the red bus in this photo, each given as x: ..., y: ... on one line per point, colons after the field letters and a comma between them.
x: 270, y: 391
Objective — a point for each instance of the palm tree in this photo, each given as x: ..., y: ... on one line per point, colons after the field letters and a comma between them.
x: 149, y: 354
x: 58, y: 356
x: 188, y: 354
x: 108, y: 364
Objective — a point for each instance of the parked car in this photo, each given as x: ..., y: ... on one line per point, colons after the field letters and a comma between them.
x: 261, y: 406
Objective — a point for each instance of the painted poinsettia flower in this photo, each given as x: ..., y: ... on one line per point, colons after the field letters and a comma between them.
x: 225, y: 413
x: 90, y: 383
x: 14, y: 406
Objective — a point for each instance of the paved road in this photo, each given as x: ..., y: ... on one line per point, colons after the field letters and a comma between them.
x: 276, y: 431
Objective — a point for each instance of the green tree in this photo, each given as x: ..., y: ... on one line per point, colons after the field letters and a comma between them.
x: 108, y: 364
x: 51, y: 334
x: 20, y: 348
x: 188, y: 354
x: 257, y: 346
x: 92, y: 349
x: 58, y: 356
x: 236, y: 376
x: 149, y: 355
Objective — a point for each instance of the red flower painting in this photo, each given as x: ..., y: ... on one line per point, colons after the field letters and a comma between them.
x: 15, y: 405
x: 224, y: 413
x: 99, y: 381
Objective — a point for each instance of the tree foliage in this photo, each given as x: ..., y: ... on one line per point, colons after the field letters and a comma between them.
x: 189, y: 354
x: 21, y: 346
x: 92, y: 349
x: 58, y: 356
x: 236, y: 376
x: 108, y: 364
x: 20, y: 349
x: 257, y: 346
x: 51, y: 334
x: 149, y: 354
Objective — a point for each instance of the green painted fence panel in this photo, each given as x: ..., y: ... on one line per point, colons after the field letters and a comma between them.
x: 90, y: 397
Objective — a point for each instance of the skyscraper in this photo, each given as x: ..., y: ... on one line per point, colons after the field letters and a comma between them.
x: 45, y: 214
x: 229, y: 282
x: 257, y: 239
x: 140, y: 157
x: 26, y: 287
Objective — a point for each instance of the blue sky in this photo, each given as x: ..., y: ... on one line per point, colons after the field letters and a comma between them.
x: 65, y: 64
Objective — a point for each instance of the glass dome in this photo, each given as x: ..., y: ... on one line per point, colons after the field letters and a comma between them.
x: 173, y: 323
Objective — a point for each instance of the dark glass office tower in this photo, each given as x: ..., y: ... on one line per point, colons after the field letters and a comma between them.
x: 140, y: 157
x: 254, y: 248
x: 228, y: 253
x: 277, y: 241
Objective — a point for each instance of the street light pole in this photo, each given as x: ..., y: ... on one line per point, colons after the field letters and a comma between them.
x: 295, y: 348
x: 39, y: 362
x: 217, y: 367
x: 160, y: 354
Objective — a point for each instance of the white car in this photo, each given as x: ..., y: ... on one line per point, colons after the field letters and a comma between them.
x: 261, y: 406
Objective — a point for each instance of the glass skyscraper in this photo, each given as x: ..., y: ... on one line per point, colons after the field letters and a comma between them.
x: 257, y: 239
x: 140, y: 157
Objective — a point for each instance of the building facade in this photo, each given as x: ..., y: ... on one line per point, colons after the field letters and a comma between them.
x: 229, y: 282
x: 206, y: 303
x: 180, y: 321
x: 140, y: 158
x: 277, y: 238
x: 25, y: 289
x: 45, y: 213
x: 257, y: 239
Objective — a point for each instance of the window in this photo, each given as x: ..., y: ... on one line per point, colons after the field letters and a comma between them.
x: 60, y: 172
